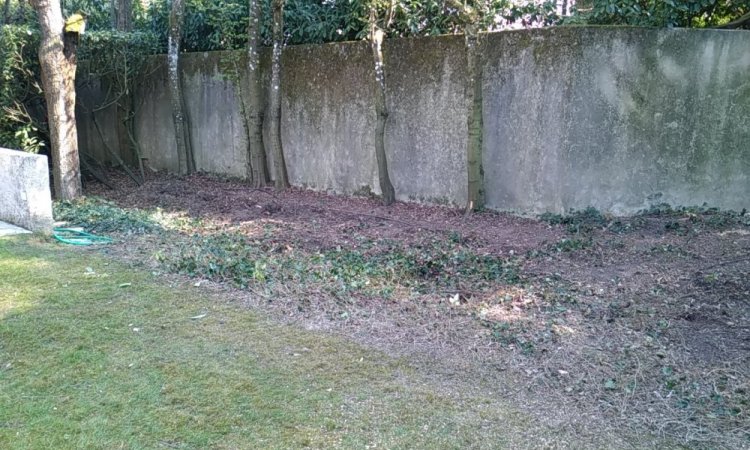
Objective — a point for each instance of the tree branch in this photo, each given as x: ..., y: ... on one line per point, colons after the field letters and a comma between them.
x: 738, y: 23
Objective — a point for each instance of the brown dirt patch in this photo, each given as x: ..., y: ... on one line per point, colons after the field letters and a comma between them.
x: 640, y: 330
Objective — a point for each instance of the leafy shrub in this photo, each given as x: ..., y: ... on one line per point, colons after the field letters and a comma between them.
x: 222, y: 24
x: 21, y: 101
x: 115, y: 55
x: 660, y: 13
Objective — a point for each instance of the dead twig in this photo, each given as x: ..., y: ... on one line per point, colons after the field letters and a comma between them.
x: 112, y: 152
x: 726, y: 263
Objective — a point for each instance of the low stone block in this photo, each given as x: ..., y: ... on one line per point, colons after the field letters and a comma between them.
x: 25, y: 198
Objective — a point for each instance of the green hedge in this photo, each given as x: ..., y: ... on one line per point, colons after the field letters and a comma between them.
x: 22, y: 109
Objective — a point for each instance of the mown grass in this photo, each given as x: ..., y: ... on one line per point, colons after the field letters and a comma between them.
x: 96, y: 355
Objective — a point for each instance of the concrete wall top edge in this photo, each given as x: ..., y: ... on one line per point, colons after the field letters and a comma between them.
x: 20, y: 154
x: 540, y: 31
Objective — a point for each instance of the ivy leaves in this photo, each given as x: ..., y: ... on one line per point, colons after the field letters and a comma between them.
x: 20, y: 90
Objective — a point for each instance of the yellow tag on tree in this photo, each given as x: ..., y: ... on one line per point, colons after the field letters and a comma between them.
x: 75, y: 24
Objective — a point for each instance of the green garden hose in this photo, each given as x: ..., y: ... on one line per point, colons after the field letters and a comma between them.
x: 74, y: 236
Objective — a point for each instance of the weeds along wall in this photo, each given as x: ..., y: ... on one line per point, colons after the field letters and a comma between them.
x: 615, y: 118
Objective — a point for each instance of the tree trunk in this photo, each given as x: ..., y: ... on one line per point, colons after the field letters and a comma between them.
x: 184, y: 150
x: 474, y: 122
x: 274, y: 97
x: 256, y: 156
x: 57, y: 57
x: 6, y: 12
x: 122, y: 15
x: 376, y: 43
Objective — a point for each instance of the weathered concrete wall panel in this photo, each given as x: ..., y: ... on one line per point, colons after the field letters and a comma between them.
x: 25, y: 198
x: 217, y: 132
x: 91, y: 97
x: 616, y: 118
x: 328, y: 117
x: 98, y: 100
x: 212, y: 101
x: 154, y: 128
x: 426, y: 133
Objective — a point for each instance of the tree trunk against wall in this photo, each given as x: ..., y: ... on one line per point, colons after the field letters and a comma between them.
x: 57, y: 57
x: 474, y: 122
x: 471, y: 19
x: 6, y: 12
x: 256, y: 156
x: 274, y: 97
x: 122, y: 15
x: 381, y: 110
x: 126, y: 125
x: 184, y: 151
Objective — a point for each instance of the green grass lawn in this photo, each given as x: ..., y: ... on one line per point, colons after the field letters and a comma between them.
x: 94, y: 354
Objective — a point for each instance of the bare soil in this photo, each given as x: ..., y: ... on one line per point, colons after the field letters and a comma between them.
x: 633, y: 333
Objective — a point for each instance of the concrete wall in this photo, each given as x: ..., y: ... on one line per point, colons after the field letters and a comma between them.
x: 615, y: 118
x: 328, y: 117
x: 91, y: 95
x: 426, y: 132
x: 217, y: 131
x: 25, y: 198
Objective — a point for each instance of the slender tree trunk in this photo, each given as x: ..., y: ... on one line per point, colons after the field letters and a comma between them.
x: 57, y: 57
x: 381, y: 109
x: 274, y: 97
x: 474, y: 122
x: 475, y: 172
x: 6, y: 12
x: 256, y: 156
x: 184, y: 151
x: 130, y: 130
x: 122, y: 15
x: 124, y: 118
